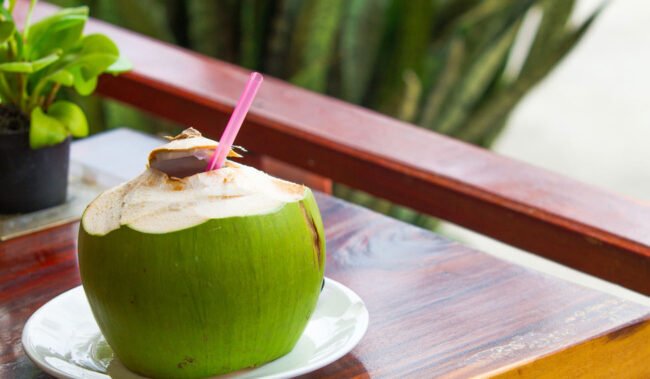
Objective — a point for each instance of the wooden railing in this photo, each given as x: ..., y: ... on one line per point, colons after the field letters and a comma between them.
x: 575, y: 224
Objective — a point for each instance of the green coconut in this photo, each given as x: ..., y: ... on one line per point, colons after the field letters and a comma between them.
x: 202, y: 274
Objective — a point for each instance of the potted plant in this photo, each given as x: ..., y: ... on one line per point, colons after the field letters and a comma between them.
x: 35, y: 126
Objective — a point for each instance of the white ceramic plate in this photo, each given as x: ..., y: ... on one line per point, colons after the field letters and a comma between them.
x: 63, y: 339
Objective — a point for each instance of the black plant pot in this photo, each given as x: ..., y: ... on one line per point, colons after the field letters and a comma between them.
x: 31, y: 179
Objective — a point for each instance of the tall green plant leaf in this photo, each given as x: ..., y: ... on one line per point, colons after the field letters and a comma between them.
x: 475, y: 82
x: 451, y: 60
x: 148, y: 17
x: 404, y: 49
x: 254, y: 25
x: 552, y: 29
x: 313, y: 44
x: 213, y: 28
x: 279, y: 41
x: 363, y: 26
x: 487, y: 121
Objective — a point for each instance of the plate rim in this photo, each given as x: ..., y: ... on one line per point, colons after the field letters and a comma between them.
x: 359, y: 331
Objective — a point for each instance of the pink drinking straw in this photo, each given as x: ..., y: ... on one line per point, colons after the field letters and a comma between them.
x: 236, y: 120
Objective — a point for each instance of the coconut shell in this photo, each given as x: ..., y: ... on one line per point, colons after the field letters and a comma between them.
x: 220, y: 296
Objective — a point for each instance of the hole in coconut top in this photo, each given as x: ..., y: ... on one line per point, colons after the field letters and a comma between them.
x: 179, y: 167
x: 184, y: 155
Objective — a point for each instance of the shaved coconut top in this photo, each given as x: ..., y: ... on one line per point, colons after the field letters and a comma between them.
x: 157, y: 202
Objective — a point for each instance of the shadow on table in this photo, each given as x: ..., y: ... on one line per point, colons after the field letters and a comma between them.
x: 347, y: 367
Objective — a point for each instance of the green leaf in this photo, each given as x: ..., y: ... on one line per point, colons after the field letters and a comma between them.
x: 98, y: 43
x: 45, y: 61
x: 63, y: 77
x: 84, y: 86
x: 87, y: 87
x: 93, y: 56
x: 97, y: 54
x: 25, y: 67
x: 29, y: 67
x: 6, y: 15
x: 122, y: 64
x: 45, y: 130
x: 7, y: 29
x: 95, y: 64
x: 71, y: 116
x: 61, y: 31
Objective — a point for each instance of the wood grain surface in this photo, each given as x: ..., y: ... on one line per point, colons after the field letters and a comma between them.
x: 578, y: 225
x: 608, y: 356
x: 437, y: 308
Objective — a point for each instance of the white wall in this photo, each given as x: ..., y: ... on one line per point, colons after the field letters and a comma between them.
x: 590, y: 119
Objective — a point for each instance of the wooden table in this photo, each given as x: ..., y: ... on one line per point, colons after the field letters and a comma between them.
x: 437, y: 308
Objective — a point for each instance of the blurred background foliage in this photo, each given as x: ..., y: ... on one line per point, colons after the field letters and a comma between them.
x: 445, y: 65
